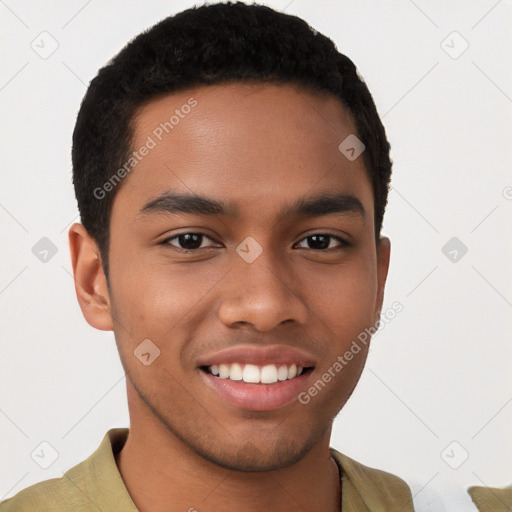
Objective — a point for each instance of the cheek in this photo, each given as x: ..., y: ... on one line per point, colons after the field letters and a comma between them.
x: 156, y: 300
x: 343, y: 296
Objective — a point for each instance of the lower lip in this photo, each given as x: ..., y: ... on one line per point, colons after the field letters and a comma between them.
x: 257, y: 397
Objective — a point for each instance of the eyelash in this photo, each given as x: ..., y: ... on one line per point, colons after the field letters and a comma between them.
x: 165, y: 243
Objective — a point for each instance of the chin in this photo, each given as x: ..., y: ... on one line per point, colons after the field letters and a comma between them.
x: 254, y: 457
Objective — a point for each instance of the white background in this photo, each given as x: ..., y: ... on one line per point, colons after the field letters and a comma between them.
x: 438, y: 373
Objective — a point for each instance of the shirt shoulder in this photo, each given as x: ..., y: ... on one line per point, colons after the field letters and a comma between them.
x: 491, y: 499
x: 50, y: 495
x: 366, y: 489
x: 93, y: 484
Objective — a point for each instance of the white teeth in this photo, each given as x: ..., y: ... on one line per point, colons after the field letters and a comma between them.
x: 268, y: 374
x: 251, y: 373
x: 282, y: 372
x: 236, y: 372
x: 224, y: 371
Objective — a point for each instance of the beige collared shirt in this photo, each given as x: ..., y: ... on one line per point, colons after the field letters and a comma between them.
x: 96, y: 484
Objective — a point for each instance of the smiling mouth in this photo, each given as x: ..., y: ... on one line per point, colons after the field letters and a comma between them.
x: 254, y: 374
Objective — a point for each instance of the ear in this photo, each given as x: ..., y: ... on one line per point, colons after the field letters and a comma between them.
x: 383, y: 255
x: 90, y: 282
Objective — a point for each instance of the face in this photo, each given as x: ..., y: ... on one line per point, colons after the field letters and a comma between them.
x: 243, y: 282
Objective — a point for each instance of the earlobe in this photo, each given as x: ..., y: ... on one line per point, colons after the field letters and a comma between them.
x: 90, y: 282
x: 383, y: 257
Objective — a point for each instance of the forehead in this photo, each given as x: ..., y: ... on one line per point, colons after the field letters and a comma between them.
x: 253, y: 144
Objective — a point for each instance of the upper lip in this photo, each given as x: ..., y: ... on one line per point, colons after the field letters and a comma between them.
x: 259, y: 355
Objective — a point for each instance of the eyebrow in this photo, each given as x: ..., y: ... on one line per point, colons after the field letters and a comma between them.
x: 308, y: 206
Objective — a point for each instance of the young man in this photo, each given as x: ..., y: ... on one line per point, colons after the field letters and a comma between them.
x: 231, y: 173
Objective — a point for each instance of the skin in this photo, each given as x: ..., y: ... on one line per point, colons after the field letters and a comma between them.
x: 260, y: 146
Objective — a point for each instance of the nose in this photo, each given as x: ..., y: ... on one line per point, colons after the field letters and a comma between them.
x: 263, y: 294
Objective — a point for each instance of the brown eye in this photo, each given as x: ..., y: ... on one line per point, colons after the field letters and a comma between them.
x: 187, y: 241
x: 322, y: 241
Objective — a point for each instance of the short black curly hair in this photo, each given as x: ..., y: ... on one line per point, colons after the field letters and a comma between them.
x: 211, y: 44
